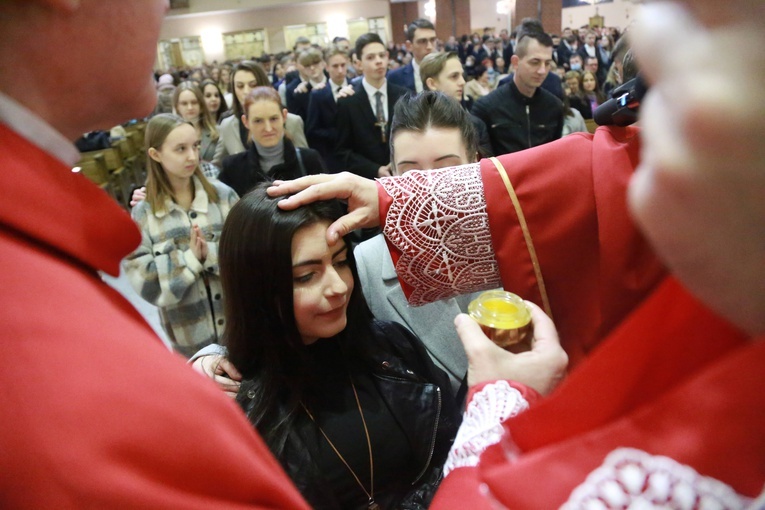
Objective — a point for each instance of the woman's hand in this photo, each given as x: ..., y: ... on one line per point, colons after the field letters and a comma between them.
x: 198, y: 244
x: 220, y: 370
x: 138, y: 195
x: 541, y: 368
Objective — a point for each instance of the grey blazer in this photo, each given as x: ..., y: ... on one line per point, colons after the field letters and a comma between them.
x: 231, y: 143
x: 432, y: 323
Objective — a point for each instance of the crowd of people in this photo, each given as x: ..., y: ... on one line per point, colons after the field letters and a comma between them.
x: 639, y: 252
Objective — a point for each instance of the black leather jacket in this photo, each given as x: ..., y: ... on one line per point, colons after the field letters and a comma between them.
x: 516, y: 122
x: 419, y: 396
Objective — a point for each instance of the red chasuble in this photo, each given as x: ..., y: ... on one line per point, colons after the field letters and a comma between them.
x: 96, y: 412
x: 672, y: 381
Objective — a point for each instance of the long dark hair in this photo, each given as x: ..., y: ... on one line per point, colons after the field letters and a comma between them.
x: 263, y: 341
x: 260, y: 77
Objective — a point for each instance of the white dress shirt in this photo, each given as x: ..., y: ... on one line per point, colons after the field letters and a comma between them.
x: 371, y: 91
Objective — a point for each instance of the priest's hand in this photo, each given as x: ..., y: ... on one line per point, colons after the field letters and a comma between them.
x: 541, y: 368
x: 358, y: 192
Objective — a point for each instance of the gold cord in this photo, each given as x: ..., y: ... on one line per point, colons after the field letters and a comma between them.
x: 526, y: 235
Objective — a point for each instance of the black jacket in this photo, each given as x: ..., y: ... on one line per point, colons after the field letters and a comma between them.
x: 516, y: 122
x: 360, y: 146
x: 242, y: 171
x: 420, y: 399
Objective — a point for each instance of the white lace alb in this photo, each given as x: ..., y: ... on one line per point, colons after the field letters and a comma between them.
x: 482, y: 423
x: 634, y: 479
x: 438, y: 221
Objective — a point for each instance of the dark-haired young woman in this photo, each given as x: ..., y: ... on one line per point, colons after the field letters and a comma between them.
x: 352, y: 407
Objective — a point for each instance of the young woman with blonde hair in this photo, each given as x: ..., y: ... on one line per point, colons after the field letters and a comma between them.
x: 189, y: 103
x: 176, y: 265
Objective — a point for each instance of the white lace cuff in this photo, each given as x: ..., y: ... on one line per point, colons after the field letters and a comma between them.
x: 438, y: 222
x: 631, y: 478
x: 482, y: 423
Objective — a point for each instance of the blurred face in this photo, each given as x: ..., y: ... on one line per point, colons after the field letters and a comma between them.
x: 344, y: 44
x: 592, y: 65
x: 589, y: 82
x: 374, y: 62
x: 215, y: 74
x: 532, y: 69
x: 225, y: 76
x: 705, y: 221
x: 573, y: 84
x: 424, y: 43
x: 178, y: 154
x: 575, y: 62
x: 322, y: 283
x: 212, y: 98
x: 451, y: 80
x: 244, y: 82
x: 265, y: 120
x: 188, y: 106
x: 314, y: 71
x: 279, y: 71
x: 338, y: 68
x: 589, y: 39
x: 435, y: 148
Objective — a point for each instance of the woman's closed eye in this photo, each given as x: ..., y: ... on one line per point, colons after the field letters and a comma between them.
x: 303, y: 278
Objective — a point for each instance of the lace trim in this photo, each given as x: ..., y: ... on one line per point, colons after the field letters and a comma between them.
x: 631, y: 478
x: 482, y: 423
x: 438, y: 221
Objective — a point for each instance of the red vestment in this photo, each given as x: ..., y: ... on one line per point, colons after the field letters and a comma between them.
x: 96, y: 411
x: 653, y: 371
x: 595, y: 264
x: 673, y: 380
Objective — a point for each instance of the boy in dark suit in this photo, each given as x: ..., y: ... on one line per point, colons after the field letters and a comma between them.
x: 363, y: 119
x: 320, y: 129
x: 420, y: 41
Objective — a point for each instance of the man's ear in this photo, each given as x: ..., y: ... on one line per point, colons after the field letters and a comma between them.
x: 408, y: 46
x: 154, y: 154
x: 431, y: 83
x: 514, y: 60
x: 244, y: 120
x: 284, y: 114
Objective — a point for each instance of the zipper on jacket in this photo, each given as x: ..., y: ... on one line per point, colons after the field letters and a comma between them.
x: 433, y: 441
x: 528, y: 125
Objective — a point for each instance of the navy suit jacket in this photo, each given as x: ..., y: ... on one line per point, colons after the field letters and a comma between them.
x: 360, y: 147
x: 320, y: 128
x: 297, y: 103
x: 403, y: 77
